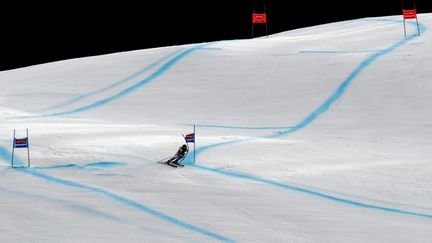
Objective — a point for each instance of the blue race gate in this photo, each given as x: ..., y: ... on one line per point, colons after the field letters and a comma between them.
x: 21, y: 143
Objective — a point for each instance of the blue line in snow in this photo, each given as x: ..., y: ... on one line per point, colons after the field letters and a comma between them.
x: 5, y: 155
x: 164, y: 68
x: 309, y: 192
x: 124, y: 80
x: 342, y: 88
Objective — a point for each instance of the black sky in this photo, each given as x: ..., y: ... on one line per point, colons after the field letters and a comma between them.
x: 33, y: 33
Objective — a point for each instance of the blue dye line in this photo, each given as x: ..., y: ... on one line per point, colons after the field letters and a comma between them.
x: 342, y: 88
x: 5, y: 155
x: 164, y: 68
x: 305, y: 122
x: 124, y: 80
x: 309, y: 192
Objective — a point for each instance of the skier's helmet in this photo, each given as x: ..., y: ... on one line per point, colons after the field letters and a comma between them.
x: 184, y: 147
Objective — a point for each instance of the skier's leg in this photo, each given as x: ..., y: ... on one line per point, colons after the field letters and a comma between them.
x: 173, y: 160
x: 178, y: 158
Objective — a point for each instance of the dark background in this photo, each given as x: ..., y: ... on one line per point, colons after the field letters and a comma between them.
x: 34, y: 33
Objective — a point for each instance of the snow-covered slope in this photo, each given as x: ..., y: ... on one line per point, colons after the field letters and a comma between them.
x: 319, y: 134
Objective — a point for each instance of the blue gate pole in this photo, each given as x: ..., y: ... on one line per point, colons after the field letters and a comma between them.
x: 194, y: 143
x: 28, y: 150
x: 13, y: 147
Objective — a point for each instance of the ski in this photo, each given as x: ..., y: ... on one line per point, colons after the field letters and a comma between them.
x: 173, y: 165
x: 179, y: 165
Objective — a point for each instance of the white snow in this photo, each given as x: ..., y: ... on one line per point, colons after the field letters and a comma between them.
x: 319, y: 134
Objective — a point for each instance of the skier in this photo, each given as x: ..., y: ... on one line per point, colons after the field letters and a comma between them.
x: 181, y: 153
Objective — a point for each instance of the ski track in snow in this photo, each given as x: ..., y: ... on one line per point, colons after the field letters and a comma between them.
x: 285, y: 131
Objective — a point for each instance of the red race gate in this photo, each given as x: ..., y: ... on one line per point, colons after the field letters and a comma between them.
x: 410, y: 14
x: 259, y: 18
